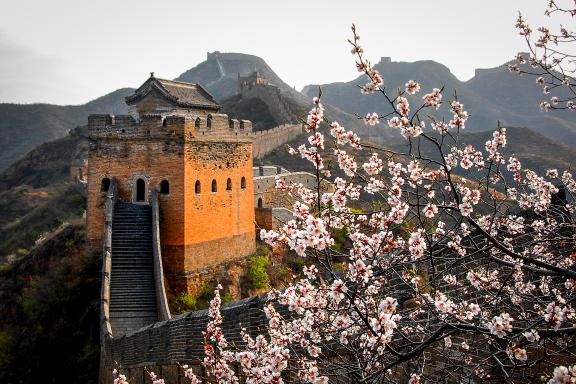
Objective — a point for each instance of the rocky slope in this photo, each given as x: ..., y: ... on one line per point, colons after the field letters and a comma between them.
x: 219, y: 73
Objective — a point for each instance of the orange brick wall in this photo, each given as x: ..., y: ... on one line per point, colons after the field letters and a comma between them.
x: 124, y: 159
x: 196, y: 230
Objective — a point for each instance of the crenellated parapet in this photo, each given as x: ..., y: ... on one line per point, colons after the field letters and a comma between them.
x: 189, y: 127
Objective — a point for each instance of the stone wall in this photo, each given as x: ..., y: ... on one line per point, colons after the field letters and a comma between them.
x: 268, y: 170
x: 195, y: 125
x: 78, y: 171
x: 161, y: 346
x: 272, y: 218
x: 266, y: 141
x: 272, y: 97
x: 264, y: 188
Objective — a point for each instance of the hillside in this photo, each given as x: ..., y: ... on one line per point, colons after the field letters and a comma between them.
x: 35, y: 195
x: 532, y: 149
x: 23, y: 127
x: 49, y: 302
x: 252, y: 109
x: 219, y: 75
x: 491, y: 95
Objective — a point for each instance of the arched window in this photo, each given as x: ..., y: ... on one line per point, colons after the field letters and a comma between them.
x: 243, y: 183
x: 214, y: 186
x: 140, y: 190
x: 197, y: 187
x: 105, y: 184
x: 260, y: 205
x: 228, y: 184
x: 230, y: 123
x: 165, y: 187
x: 241, y: 124
x: 209, y: 121
x: 197, y: 122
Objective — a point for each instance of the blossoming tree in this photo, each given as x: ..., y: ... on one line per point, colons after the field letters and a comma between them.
x: 459, y: 265
x: 551, y: 57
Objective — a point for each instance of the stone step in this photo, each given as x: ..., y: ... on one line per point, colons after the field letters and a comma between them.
x: 126, y: 304
x: 135, y: 226
x: 140, y: 261
x: 131, y: 302
x: 131, y: 245
x: 133, y: 279
x: 130, y: 241
x: 137, y: 260
x: 127, y: 250
x: 131, y: 232
x: 136, y: 295
x: 136, y: 284
x: 132, y: 286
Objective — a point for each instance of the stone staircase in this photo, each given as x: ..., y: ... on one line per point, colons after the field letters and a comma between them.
x: 132, y: 289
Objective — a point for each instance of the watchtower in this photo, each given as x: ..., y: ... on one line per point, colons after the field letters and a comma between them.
x: 252, y: 80
x: 199, y: 161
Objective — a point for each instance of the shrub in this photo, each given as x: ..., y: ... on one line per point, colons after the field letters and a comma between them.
x: 6, y: 344
x: 184, y: 302
x: 227, y: 297
x: 262, y: 250
x: 257, y: 272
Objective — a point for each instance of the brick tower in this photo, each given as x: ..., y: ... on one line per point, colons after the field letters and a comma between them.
x: 200, y: 161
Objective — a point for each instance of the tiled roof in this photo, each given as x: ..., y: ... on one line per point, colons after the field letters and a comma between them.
x: 186, y: 95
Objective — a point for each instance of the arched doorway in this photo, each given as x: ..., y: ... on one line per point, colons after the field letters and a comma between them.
x: 105, y: 185
x: 260, y: 205
x: 164, y: 187
x: 140, y: 191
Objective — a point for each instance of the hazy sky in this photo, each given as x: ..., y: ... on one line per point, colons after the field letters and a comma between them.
x: 72, y: 51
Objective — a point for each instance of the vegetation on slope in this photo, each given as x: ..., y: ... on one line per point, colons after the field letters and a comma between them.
x: 49, y: 301
x: 35, y: 194
x: 23, y: 127
x: 29, y: 229
x: 252, y: 109
x: 47, y: 164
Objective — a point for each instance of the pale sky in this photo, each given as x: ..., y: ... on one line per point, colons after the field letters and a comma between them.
x: 72, y: 51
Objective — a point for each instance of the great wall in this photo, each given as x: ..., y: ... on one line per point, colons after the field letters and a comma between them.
x: 172, y: 198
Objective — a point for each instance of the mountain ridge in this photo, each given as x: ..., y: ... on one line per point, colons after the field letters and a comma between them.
x: 492, y: 95
x: 24, y: 126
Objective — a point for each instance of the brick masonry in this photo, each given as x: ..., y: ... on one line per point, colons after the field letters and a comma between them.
x: 197, y: 229
x: 266, y: 141
x: 161, y: 346
x: 206, y: 217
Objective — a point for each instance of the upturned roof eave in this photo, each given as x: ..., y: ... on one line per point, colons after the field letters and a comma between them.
x: 155, y: 84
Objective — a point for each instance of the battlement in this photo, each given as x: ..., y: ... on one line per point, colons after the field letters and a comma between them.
x: 190, y: 127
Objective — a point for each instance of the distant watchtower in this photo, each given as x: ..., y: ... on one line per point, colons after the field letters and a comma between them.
x: 200, y: 162
x: 252, y: 80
